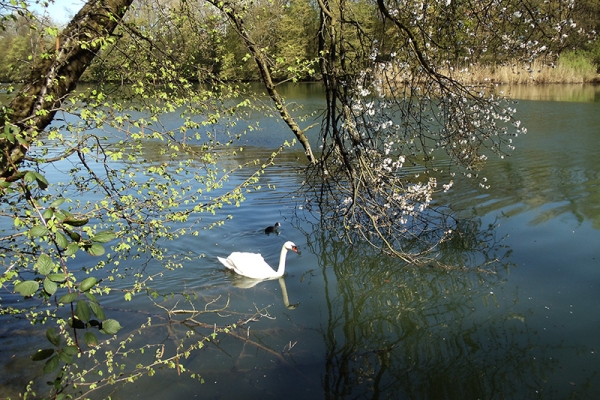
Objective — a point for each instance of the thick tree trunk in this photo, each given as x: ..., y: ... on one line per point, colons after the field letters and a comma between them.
x: 55, y: 76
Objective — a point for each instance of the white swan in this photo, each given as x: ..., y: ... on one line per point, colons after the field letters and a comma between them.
x: 254, y: 266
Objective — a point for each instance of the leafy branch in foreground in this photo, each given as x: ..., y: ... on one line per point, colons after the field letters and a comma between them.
x: 140, y: 210
x: 91, y: 202
x: 97, y: 373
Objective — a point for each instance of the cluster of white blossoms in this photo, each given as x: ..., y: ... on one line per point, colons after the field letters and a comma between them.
x: 384, y: 133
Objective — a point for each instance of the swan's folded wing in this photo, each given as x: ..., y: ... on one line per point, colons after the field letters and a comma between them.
x: 225, y: 262
x: 243, y: 260
x: 251, y: 265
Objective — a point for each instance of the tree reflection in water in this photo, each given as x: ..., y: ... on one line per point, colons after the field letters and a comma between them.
x: 401, y: 331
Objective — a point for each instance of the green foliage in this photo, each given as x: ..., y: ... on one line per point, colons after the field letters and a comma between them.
x: 147, y: 181
x: 578, y: 61
x: 203, y: 47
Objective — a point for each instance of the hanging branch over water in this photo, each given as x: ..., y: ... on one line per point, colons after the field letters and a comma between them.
x: 236, y: 17
x: 398, y: 126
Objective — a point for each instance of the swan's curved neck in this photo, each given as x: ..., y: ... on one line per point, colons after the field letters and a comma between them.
x: 281, y: 269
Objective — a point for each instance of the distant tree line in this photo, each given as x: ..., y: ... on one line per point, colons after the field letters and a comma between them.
x: 206, y: 46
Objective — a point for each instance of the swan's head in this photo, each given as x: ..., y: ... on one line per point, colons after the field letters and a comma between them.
x: 291, y: 246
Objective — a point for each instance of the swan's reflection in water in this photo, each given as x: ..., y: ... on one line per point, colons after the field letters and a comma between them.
x: 243, y: 282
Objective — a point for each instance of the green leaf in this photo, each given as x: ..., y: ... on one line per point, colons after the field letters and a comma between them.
x: 53, y: 337
x: 95, y: 250
x: 103, y: 237
x: 42, y: 354
x: 87, y: 284
x: 110, y: 327
x: 97, y: 310
x: 41, y: 180
x: 91, y: 297
x: 60, y: 277
x: 38, y: 231
x: 49, y: 286
x: 27, y: 288
x: 8, y: 135
x: 64, y: 357
x: 44, y: 264
x: 90, y: 339
x: 22, y: 141
x: 75, y: 221
x: 70, y: 350
x: 67, y: 298
x: 29, y: 176
x: 57, y: 202
x: 51, y: 364
x: 71, y: 249
x: 61, y: 240
x: 82, y: 310
x: 48, y: 213
x: 73, y: 235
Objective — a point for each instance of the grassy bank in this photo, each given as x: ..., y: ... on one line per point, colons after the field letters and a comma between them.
x: 571, y: 67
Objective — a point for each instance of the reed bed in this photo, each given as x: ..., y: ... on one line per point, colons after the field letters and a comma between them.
x: 568, y: 69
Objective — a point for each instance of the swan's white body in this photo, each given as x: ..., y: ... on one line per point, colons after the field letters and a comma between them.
x: 254, y: 266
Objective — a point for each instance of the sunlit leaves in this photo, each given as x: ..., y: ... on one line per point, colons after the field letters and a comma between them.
x: 49, y: 286
x: 68, y: 298
x: 61, y: 240
x: 38, y: 231
x: 142, y: 177
x: 57, y: 202
x: 71, y: 249
x: 32, y: 176
x: 44, y: 264
x: 27, y: 288
x: 95, y: 249
x: 110, y: 327
x: 58, y: 277
x: 87, y: 284
x: 103, y: 237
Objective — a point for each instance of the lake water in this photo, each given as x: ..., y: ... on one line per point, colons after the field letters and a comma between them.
x: 368, y: 326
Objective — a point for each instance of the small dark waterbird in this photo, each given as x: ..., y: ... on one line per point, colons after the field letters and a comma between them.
x: 273, y: 229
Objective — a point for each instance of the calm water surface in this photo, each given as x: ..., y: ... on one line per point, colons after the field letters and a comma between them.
x: 368, y: 326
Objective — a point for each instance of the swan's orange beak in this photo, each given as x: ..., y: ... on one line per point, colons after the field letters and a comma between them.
x: 294, y: 248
